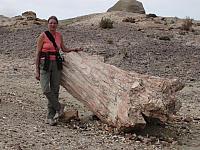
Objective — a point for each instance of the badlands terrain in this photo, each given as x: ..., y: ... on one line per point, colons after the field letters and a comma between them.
x: 153, y: 45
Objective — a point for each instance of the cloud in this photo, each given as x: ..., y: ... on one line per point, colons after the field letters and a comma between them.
x: 7, y: 8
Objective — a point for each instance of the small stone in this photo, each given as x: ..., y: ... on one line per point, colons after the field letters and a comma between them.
x: 69, y: 115
x: 188, y: 119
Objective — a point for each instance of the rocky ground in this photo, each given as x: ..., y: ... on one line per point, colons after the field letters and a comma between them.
x: 135, y: 46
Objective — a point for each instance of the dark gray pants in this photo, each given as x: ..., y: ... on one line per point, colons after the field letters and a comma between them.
x: 50, y: 83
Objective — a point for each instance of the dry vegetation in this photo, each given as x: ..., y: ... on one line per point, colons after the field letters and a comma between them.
x: 187, y: 24
x: 106, y: 23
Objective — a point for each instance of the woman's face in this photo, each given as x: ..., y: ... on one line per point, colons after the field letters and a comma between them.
x: 52, y: 25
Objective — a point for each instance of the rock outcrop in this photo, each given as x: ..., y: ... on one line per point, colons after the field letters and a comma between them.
x: 27, y: 19
x: 128, y: 6
x: 29, y: 15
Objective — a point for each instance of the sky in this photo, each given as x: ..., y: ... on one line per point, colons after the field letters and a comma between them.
x: 65, y: 9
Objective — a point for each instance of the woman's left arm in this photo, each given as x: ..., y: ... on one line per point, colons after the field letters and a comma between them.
x: 64, y: 49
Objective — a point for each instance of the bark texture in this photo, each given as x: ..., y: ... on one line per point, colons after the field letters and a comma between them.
x: 120, y: 98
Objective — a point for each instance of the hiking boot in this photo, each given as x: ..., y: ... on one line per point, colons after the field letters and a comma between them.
x: 51, y: 122
x: 61, y: 111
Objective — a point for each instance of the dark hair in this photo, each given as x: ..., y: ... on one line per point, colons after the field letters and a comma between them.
x: 53, y: 17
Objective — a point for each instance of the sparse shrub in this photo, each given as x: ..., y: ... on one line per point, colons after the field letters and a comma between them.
x: 171, y: 22
x: 165, y: 23
x: 129, y: 19
x: 151, y: 16
x: 187, y: 24
x: 106, y: 23
x: 163, y: 18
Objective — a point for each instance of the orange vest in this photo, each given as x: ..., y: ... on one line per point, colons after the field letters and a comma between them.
x: 48, y: 45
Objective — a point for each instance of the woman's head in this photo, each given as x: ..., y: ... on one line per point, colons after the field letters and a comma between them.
x: 54, y: 18
x: 52, y: 23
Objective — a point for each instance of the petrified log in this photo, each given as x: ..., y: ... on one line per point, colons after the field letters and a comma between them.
x: 119, y: 98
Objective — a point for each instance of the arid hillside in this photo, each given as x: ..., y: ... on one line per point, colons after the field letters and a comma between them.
x: 147, y: 44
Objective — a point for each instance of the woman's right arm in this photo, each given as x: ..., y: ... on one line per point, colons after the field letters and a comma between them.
x: 38, y: 51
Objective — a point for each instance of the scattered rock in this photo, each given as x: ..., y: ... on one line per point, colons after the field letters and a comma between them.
x: 129, y: 19
x: 188, y: 119
x: 165, y: 38
x: 69, y: 115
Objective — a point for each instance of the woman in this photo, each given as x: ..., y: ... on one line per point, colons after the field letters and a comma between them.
x: 47, y: 70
